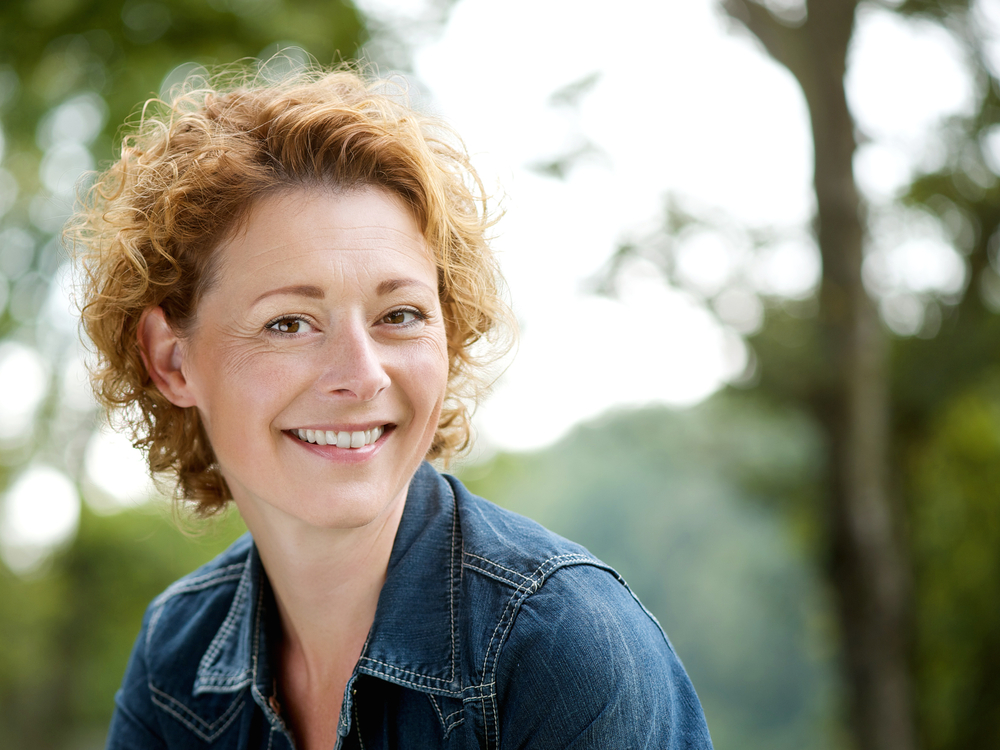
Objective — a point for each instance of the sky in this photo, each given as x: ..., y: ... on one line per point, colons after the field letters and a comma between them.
x: 681, y: 104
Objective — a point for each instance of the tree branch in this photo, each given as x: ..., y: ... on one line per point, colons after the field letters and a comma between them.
x: 782, y: 42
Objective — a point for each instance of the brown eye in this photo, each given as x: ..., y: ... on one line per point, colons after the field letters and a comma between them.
x: 400, y: 317
x: 288, y: 325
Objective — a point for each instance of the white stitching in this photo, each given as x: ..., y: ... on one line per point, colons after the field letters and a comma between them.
x: 357, y: 724
x: 234, y: 709
x: 229, y: 625
x: 230, y: 572
x: 404, y: 671
x: 452, y: 584
x: 402, y: 680
x: 497, y: 565
x: 541, y: 573
x: 437, y: 710
x: 494, y: 576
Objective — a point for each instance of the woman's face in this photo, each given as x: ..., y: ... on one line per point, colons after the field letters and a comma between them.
x: 318, y: 359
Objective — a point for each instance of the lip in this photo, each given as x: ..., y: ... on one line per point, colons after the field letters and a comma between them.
x: 344, y: 455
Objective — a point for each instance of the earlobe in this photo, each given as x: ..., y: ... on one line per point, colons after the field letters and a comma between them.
x: 163, y: 354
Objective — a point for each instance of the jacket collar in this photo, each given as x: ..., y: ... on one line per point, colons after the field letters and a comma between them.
x: 414, y: 638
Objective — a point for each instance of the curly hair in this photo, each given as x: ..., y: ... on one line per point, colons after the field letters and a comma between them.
x: 194, y: 168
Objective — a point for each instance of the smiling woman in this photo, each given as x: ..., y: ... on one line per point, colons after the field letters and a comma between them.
x: 284, y: 285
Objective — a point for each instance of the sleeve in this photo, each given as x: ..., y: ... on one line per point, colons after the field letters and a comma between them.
x: 586, y: 667
x: 134, y: 724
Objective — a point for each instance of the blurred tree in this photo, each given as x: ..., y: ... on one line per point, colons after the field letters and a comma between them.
x: 878, y: 399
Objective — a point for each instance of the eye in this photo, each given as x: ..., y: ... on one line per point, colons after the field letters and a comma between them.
x: 403, y: 316
x: 289, y: 324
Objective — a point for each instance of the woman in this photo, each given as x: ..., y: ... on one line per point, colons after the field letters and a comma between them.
x: 285, y: 284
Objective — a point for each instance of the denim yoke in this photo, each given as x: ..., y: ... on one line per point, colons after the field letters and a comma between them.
x: 490, y: 632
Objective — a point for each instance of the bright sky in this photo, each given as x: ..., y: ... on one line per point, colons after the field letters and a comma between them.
x: 680, y: 105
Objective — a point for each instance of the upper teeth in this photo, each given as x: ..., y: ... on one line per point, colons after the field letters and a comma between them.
x: 340, y: 439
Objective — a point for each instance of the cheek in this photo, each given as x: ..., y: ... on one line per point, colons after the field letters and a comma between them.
x: 420, y: 372
x: 233, y: 382
x: 432, y: 379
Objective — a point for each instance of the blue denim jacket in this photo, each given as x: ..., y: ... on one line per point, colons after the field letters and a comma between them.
x: 491, y: 632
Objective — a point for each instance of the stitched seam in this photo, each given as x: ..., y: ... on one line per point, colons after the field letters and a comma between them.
x: 182, y: 720
x: 270, y: 737
x: 212, y: 732
x: 240, y: 680
x: 473, y: 698
x: 437, y: 710
x: 497, y: 565
x: 229, y: 624
x: 217, y: 578
x: 403, y: 680
x: 452, y: 582
x: 540, y: 573
x: 223, y: 575
x: 357, y: 725
x: 511, y: 607
x: 394, y: 668
x: 256, y: 635
x: 490, y: 574
x: 503, y: 615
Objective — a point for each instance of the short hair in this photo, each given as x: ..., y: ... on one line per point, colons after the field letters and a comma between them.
x: 193, y: 169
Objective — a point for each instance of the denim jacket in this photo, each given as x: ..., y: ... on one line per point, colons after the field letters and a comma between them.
x: 490, y: 632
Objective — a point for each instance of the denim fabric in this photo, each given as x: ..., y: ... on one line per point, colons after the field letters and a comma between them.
x: 491, y: 632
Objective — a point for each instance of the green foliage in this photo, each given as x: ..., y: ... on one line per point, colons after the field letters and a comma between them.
x: 111, y: 56
x: 953, y: 475
x: 66, y: 633
x: 687, y: 506
x: 123, y: 50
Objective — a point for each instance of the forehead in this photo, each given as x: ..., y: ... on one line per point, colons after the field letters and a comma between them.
x: 365, y: 229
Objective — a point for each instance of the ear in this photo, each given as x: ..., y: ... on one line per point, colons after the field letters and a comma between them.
x: 163, y: 354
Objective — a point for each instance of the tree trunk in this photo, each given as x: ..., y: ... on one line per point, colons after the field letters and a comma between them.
x: 868, y: 567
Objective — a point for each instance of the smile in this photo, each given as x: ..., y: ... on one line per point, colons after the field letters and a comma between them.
x: 340, y: 439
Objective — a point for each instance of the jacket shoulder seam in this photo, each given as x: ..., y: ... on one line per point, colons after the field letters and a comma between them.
x: 191, y: 585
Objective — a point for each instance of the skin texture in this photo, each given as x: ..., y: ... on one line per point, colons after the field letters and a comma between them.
x: 325, y: 315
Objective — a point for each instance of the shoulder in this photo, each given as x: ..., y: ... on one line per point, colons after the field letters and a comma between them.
x: 508, y: 544
x: 559, y: 628
x: 190, y: 598
x: 585, y: 648
x: 191, y: 632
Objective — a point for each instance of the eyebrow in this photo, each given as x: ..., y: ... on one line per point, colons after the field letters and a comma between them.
x: 314, y: 292
x: 301, y: 290
x: 391, y: 285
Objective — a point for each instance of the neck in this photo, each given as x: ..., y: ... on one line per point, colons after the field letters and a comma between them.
x: 326, y: 582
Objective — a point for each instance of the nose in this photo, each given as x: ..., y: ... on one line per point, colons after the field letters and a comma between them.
x: 352, y: 365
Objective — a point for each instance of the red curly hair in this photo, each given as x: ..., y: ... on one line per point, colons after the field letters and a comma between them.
x: 195, y: 167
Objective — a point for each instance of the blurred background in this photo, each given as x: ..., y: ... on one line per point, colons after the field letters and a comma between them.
x: 753, y: 247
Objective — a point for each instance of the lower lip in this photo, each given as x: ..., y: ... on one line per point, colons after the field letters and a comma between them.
x: 343, y: 455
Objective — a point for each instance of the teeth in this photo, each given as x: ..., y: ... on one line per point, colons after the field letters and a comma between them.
x: 357, y: 439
